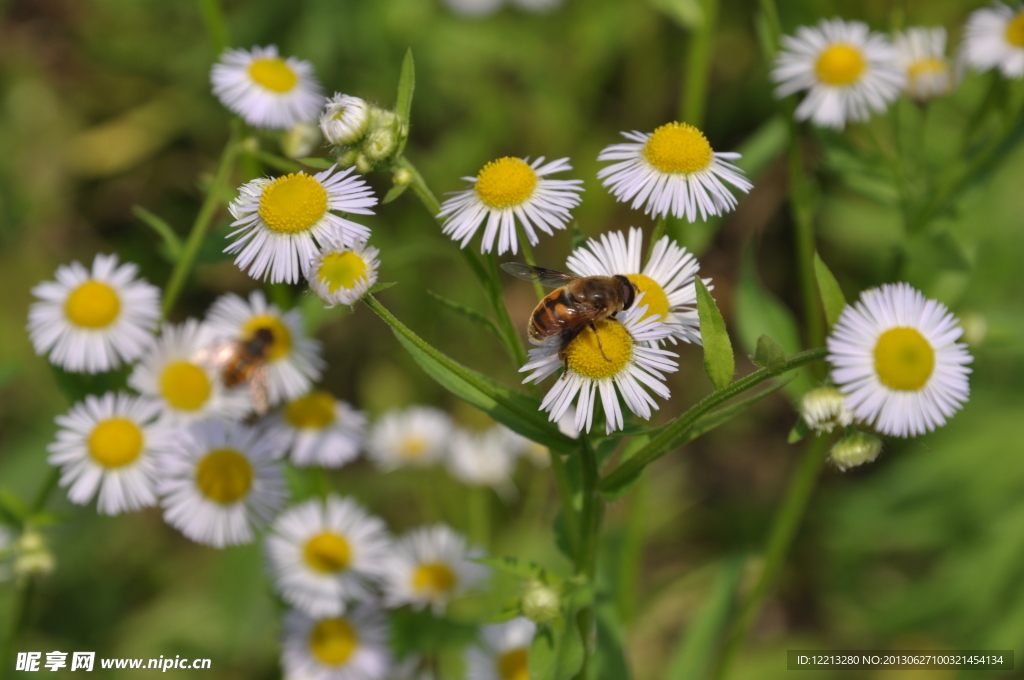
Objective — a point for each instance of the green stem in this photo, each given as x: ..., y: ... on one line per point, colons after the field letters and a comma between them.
x: 780, y: 538
x: 202, y: 223
x: 216, y: 26
x: 19, y: 619
x: 662, y: 444
x: 43, y: 495
x: 803, y: 217
x: 569, y: 513
x: 698, y: 66
x: 528, y: 255
x: 479, y: 509
x: 659, y: 231
x: 586, y: 556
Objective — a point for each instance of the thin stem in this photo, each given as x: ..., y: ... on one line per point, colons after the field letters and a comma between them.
x: 586, y: 556
x: 202, y: 223
x: 569, y: 514
x: 43, y: 495
x: 803, y: 217
x: 19, y: 618
x: 659, y: 231
x: 216, y: 26
x: 528, y: 255
x: 478, y: 505
x: 698, y: 63
x: 784, y: 527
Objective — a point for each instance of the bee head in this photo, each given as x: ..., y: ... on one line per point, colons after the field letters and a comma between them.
x: 264, y: 336
x: 628, y: 291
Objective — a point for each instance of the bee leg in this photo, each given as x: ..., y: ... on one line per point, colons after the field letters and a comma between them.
x: 599, y: 345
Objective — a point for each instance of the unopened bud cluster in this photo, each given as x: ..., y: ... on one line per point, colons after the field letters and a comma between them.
x: 823, y: 408
x: 541, y: 602
x: 363, y: 135
x: 855, y: 449
x: 32, y: 555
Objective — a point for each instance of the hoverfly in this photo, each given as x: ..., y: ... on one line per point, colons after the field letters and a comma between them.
x: 243, y: 361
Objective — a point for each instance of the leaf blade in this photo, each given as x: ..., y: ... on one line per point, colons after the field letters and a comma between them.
x: 403, y: 104
x: 832, y: 298
x: 719, y: 361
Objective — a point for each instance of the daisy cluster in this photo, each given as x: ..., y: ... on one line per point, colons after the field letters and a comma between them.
x: 849, y: 72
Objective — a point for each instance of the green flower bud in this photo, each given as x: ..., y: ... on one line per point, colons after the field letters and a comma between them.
x: 401, y: 177
x: 541, y: 602
x: 855, y: 449
x: 380, y: 143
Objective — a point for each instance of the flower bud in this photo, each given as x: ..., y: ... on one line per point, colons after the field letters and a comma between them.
x: 823, y: 408
x: 300, y: 141
x: 33, y: 556
x: 401, y: 177
x: 855, y: 449
x: 363, y: 164
x: 344, y: 119
x: 380, y: 143
x: 541, y: 602
x: 347, y: 158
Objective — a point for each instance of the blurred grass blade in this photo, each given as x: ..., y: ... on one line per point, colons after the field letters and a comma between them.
x: 216, y: 25
x: 403, y: 105
x: 719, y: 361
x: 164, y: 230
x: 831, y: 294
x: 471, y: 314
x: 318, y: 163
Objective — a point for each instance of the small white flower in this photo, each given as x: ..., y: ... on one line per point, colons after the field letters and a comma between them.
x: 429, y: 567
x: 219, y: 481
x: 344, y: 119
x: 300, y: 140
x: 847, y: 70
x: 341, y: 275
x: 621, y: 364
x: 505, y: 652
x: 895, y: 357
x: 324, y: 554
x: 507, y: 191
x: 417, y: 436
x: 486, y: 459
x: 109, y: 445
x: 293, y: 360
x: 90, y: 322
x: 350, y: 647
x: 923, y: 57
x: 672, y: 170
x: 994, y: 38
x: 823, y: 408
x: 282, y: 222
x: 667, y: 281
x: 319, y: 429
x: 538, y: 454
x: 266, y: 90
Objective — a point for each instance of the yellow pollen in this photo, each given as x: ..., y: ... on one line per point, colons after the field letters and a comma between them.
x: 655, y: 298
x: 315, y: 411
x: 327, y: 553
x: 514, y: 664
x: 224, y: 476
x: 1015, y: 30
x: 840, y: 64
x: 93, y: 304
x: 185, y: 386
x: 333, y: 641
x: 273, y: 74
x: 282, y: 342
x: 412, y: 447
x: 293, y: 203
x: 584, y: 355
x: 506, y: 182
x: 433, y: 578
x: 341, y: 270
x: 678, y: 148
x: 904, y: 359
x: 115, y: 442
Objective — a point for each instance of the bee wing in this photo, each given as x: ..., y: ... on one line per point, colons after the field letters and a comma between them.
x: 545, y: 277
x: 216, y: 354
x: 258, y: 390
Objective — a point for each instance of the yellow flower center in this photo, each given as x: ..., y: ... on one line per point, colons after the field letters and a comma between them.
x: 412, y: 447
x: 506, y: 182
x: 93, y: 304
x: 273, y: 74
x: 655, y: 298
x: 293, y: 203
x: 115, y: 442
x: 185, y: 386
x: 224, y: 475
x: 341, y: 270
x: 678, y: 147
x: 315, y: 411
x: 514, y: 664
x: 333, y: 641
x: 928, y: 66
x: 840, y: 64
x: 327, y: 553
x: 586, y: 357
x: 282, y: 337
x: 904, y: 359
x: 433, y: 578
x: 1015, y: 30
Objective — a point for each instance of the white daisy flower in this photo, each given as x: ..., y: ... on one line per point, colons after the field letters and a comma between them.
x: 895, y: 357
x: 341, y: 275
x: 301, y: 140
x: 823, y: 408
x: 417, y: 436
x: 672, y: 170
x: 923, y: 58
x: 344, y: 119
x: 505, y: 652
x: 266, y: 90
x: 847, y: 70
x: 667, y: 280
x: 620, y: 364
x: 109, y: 445
x: 90, y: 322
x: 323, y: 554
x: 282, y: 222
x: 994, y: 38
x: 219, y: 481
x: 485, y: 459
x: 507, y: 191
x: 187, y: 388
x: 293, y: 360
x: 429, y: 567
x: 349, y: 647
x: 319, y: 429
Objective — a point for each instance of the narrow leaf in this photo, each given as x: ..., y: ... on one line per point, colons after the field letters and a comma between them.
x: 522, y: 569
x: 13, y: 511
x: 403, y: 105
x: 379, y: 286
x: 831, y: 294
x: 318, y: 163
x: 769, y: 355
x: 163, y: 230
x: 578, y: 239
x: 719, y: 361
x: 277, y: 162
x: 469, y: 313
x: 394, y: 192
x: 798, y: 432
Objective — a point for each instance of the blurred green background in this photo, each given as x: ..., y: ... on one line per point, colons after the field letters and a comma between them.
x: 105, y: 105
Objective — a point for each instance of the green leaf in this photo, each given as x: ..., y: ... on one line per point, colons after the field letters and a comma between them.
x: 687, y: 13
x: 511, y: 609
x: 522, y: 569
x: 799, y: 431
x: 75, y: 386
x: 556, y: 652
x: 403, y: 105
x: 420, y: 632
x: 719, y: 361
x: 831, y: 294
x: 172, y: 243
x: 318, y: 163
x: 469, y: 313
x: 609, y: 659
x: 379, y: 286
x: 278, y: 163
x: 769, y: 355
x: 13, y: 510
x: 578, y: 239
x: 394, y: 192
